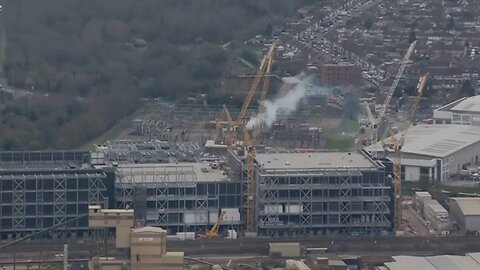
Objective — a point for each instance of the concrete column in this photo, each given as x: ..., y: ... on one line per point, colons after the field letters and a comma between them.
x: 65, y: 257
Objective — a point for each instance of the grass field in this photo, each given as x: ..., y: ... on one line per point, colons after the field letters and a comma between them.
x: 339, y: 143
x: 349, y: 126
x: 342, y: 137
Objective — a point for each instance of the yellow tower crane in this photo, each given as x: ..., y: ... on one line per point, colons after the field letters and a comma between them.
x: 262, y: 73
x: 249, y: 140
x: 396, y: 145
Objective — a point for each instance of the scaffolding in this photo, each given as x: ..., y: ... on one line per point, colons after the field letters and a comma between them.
x: 41, y: 159
x: 36, y: 199
x: 323, y: 201
x: 150, y: 151
x: 320, y: 201
x: 176, y: 198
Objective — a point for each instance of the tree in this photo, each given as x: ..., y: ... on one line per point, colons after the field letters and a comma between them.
x: 412, y: 36
x: 410, y: 90
x: 368, y: 23
x: 425, y: 183
x: 268, y: 30
x: 249, y: 56
x: 350, y: 23
x: 96, y: 60
x: 450, y: 22
x: 429, y: 90
x: 467, y: 88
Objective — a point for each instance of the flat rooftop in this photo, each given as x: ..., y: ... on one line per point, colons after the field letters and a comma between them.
x: 317, y: 160
x: 43, y: 159
x: 169, y: 172
x: 437, y: 207
x: 469, y: 206
x: 434, y: 140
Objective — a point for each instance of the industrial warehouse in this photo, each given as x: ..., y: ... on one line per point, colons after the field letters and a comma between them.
x: 436, y: 151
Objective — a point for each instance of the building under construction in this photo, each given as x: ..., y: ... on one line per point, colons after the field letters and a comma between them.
x: 296, y: 193
x: 181, y: 197
x: 42, y: 189
x: 329, y: 193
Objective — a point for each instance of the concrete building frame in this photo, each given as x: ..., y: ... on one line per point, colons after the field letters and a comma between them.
x: 172, y: 192
x: 37, y: 199
x: 339, y: 202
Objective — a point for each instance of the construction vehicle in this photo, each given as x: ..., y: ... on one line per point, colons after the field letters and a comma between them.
x: 213, y: 232
x: 381, y: 115
x: 395, y: 144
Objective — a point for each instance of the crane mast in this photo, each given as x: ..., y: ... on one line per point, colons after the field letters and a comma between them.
x: 249, y: 139
x: 250, y: 144
x: 390, y: 92
x: 262, y: 73
x: 396, y: 145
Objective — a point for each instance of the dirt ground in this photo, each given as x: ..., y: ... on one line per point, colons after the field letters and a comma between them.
x: 191, y: 123
x: 416, y: 222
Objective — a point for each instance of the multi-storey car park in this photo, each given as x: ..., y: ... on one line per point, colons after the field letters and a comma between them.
x: 296, y: 193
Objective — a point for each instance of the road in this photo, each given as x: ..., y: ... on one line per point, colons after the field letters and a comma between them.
x: 310, y: 38
x: 416, y: 221
x: 336, y: 245
x: 373, y: 245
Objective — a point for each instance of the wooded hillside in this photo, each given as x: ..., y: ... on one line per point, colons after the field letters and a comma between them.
x: 95, y: 59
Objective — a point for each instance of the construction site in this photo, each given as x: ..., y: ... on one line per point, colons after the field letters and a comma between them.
x: 281, y: 183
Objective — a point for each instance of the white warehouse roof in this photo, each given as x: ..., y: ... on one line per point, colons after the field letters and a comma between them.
x: 468, y: 206
x: 410, y: 263
x: 451, y: 262
x: 467, y: 104
x: 443, y: 262
x: 434, y: 140
x: 475, y: 256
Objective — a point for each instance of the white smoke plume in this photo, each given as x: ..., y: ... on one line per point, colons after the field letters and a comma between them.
x: 285, y: 104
